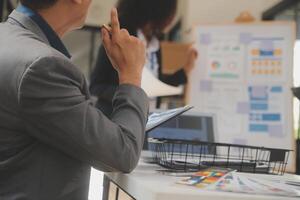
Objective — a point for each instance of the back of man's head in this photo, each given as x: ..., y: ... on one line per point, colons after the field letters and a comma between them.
x: 38, y: 4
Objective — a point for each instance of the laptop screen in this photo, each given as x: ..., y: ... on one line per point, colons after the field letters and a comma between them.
x: 195, y: 127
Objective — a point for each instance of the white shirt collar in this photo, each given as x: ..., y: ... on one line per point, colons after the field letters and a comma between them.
x: 152, y: 46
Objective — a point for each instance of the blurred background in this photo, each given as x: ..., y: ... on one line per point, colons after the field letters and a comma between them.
x: 83, y: 44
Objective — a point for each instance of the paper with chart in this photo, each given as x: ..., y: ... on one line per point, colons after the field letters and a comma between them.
x: 155, y: 88
x: 241, y: 183
x: 244, y: 76
x: 205, y: 178
x: 226, y: 180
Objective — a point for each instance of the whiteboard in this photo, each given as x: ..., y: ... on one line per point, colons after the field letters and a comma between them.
x: 243, y: 75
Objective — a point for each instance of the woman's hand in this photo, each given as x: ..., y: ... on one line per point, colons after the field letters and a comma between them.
x: 192, y: 55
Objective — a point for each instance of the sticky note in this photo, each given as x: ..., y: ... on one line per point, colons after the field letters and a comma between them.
x: 258, y: 128
x: 259, y: 106
x: 205, y: 39
x: 266, y: 63
x: 255, y: 52
x: 271, y: 117
x: 259, y: 92
x: 243, y: 108
x: 276, y: 130
x: 276, y: 89
x: 245, y: 38
x: 206, y: 86
x: 278, y: 52
x: 267, y: 45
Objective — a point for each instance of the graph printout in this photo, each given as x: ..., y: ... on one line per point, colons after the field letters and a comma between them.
x: 244, y: 76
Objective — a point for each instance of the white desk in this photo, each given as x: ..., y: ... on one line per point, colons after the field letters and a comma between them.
x: 144, y: 183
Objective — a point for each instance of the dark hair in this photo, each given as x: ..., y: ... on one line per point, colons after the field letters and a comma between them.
x: 38, y: 4
x: 134, y: 14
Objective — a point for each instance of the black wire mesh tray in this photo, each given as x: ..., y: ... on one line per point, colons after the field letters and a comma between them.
x: 188, y: 156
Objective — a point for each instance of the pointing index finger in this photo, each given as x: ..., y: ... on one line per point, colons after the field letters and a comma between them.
x: 115, y: 25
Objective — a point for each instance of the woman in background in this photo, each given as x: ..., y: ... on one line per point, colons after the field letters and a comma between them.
x: 147, y: 20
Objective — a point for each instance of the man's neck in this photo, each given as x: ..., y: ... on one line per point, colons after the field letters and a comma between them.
x: 57, y: 23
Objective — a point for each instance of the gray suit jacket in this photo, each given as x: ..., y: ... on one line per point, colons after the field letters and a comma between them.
x: 50, y: 133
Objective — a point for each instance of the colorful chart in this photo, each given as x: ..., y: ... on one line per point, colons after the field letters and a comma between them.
x: 225, y: 60
x: 265, y: 114
x: 204, y: 178
x: 244, y: 76
x: 266, y: 58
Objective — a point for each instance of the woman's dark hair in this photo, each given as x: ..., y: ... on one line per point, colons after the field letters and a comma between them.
x: 38, y: 4
x: 134, y: 14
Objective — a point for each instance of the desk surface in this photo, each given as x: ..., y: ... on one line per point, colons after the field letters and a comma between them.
x: 145, y: 183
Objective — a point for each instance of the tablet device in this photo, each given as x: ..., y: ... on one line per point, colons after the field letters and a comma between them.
x: 157, y: 118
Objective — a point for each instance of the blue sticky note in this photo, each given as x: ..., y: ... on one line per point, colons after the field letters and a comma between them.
x: 259, y: 106
x: 266, y: 52
x: 271, y: 117
x: 258, y: 128
x: 276, y: 89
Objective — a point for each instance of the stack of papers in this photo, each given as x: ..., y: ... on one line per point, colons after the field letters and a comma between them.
x: 234, y: 182
x: 240, y: 183
x: 205, y: 178
x: 155, y: 88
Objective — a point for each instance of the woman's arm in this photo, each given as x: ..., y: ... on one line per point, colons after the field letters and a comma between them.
x: 176, y: 79
x: 180, y: 76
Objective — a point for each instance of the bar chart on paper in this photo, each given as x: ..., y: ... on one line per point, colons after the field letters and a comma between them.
x: 244, y: 76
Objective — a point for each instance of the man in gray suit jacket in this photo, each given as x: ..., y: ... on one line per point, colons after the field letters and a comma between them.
x: 50, y: 133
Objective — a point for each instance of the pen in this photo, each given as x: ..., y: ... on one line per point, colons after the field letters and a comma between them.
x: 107, y: 28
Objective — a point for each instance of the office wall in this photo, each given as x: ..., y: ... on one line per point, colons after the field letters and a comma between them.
x: 99, y: 12
x: 218, y: 11
x: 208, y: 11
